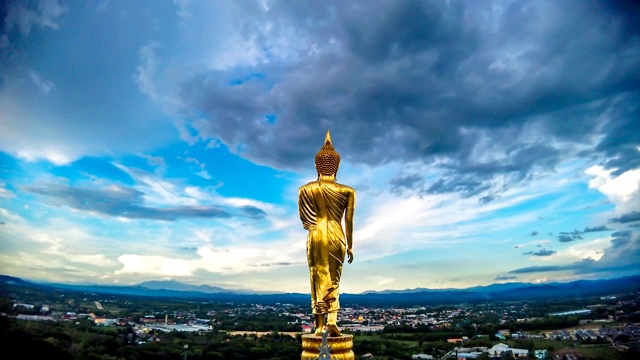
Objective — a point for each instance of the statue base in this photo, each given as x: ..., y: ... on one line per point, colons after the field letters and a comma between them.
x: 341, y: 347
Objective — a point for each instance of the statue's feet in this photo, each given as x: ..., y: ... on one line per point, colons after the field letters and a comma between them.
x: 333, y: 330
x: 320, y: 321
x: 332, y: 324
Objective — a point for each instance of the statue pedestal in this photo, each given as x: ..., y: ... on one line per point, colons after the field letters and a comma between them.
x: 341, y: 347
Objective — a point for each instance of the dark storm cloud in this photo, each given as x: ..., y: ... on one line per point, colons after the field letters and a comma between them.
x: 427, y: 81
x: 468, y: 177
x: 128, y: 203
x: 543, y: 252
x: 406, y: 182
x: 628, y: 217
x: 466, y: 185
x: 596, y: 228
x: 622, y: 139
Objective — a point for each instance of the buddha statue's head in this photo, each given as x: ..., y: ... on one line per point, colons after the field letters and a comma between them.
x: 327, y: 159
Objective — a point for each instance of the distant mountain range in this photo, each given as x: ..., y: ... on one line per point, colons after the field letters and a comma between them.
x: 178, y: 286
x: 506, y: 292
x: 494, y: 292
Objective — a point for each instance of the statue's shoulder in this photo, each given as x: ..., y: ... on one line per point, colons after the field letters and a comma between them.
x: 308, y: 186
x: 345, y: 188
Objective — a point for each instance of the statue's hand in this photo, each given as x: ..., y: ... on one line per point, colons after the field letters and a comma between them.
x: 350, y: 255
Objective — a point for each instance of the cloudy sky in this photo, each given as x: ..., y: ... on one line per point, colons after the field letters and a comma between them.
x: 488, y: 141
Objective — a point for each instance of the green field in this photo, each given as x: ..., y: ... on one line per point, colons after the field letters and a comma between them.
x: 590, y: 352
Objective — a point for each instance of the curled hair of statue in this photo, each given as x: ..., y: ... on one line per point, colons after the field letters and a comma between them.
x: 327, y: 159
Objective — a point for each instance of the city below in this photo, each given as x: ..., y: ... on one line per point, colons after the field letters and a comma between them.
x: 590, y: 320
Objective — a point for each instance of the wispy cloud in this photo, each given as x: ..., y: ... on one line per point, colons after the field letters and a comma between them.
x: 217, y: 260
x: 627, y: 218
x: 543, y: 252
x: 505, y: 277
x: 619, y: 254
x: 532, y: 243
x: 546, y: 268
x: 596, y: 228
x: 122, y: 202
x: 44, y: 86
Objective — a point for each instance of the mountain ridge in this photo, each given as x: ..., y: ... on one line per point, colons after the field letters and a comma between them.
x: 493, y: 292
x: 178, y: 286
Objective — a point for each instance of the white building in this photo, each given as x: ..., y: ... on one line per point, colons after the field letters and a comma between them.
x: 500, y: 348
x: 422, y: 357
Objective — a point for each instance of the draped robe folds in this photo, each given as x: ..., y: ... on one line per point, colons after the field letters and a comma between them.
x: 321, y: 209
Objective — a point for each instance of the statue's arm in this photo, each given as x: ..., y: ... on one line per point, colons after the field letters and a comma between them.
x: 305, y: 211
x: 348, y: 223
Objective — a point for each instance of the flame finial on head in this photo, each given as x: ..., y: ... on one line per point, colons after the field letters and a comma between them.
x: 327, y: 159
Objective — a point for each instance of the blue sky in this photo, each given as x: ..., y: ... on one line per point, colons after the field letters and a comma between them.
x: 488, y: 141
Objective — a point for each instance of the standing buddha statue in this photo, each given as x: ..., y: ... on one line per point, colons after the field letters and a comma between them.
x: 322, y: 204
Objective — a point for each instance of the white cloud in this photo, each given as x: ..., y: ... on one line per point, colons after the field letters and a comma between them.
x: 43, y: 85
x: 99, y: 260
x: 35, y: 266
x: 159, y: 192
x: 381, y: 280
x: 245, y: 259
x: 4, y: 192
x: 622, y: 190
x: 183, y: 8
x: 51, y: 154
x: 593, y: 250
x: 204, y: 174
x: 8, y: 215
x: 145, y: 72
x: 57, y: 240
x: 543, y: 242
x: 388, y: 224
x: 154, y: 265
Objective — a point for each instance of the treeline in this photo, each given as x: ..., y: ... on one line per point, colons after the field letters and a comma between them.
x: 83, y: 340
x: 57, y: 340
x: 548, y: 323
x: 257, y: 322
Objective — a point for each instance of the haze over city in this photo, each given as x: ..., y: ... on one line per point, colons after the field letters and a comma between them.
x: 487, y: 141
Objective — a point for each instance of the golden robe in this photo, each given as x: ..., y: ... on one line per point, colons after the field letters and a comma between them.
x: 321, y: 207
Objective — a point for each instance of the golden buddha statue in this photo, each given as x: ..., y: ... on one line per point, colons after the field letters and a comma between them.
x: 321, y: 205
